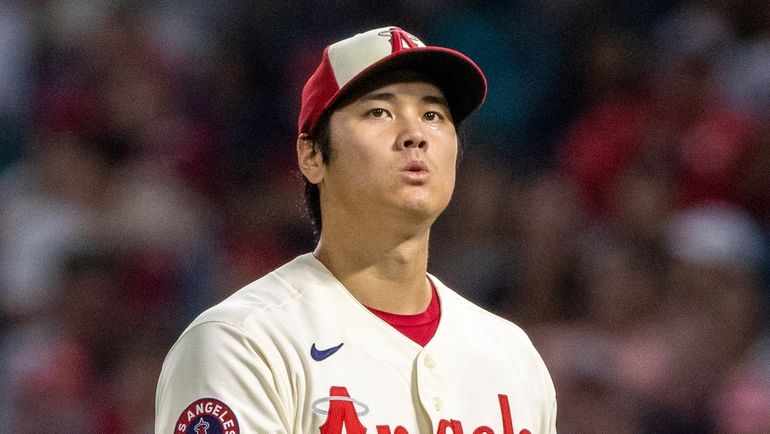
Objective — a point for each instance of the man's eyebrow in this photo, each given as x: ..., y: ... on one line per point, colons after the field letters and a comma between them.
x: 436, y: 99
x: 378, y: 96
x: 388, y: 96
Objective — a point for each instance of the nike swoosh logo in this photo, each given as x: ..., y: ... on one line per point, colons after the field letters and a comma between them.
x: 319, y: 355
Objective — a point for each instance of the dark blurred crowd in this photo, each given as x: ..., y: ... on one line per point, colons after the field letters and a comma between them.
x: 613, y: 197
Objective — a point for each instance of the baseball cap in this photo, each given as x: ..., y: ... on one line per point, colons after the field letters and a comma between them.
x: 348, y: 63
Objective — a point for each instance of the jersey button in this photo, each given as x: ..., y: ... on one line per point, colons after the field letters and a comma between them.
x: 429, y: 362
x: 437, y: 403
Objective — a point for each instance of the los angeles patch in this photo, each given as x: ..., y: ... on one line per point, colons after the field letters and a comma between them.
x: 207, y: 416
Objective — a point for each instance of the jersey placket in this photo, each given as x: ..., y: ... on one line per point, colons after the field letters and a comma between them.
x: 428, y: 374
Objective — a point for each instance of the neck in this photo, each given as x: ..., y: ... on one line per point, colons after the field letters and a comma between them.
x: 382, y: 270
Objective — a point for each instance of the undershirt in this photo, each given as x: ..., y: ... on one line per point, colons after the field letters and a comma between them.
x: 419, y: 327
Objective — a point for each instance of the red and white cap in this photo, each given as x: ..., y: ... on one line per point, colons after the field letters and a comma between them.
x: 349, y: 62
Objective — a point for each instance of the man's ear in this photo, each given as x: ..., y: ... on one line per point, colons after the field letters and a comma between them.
x: 310, y: 159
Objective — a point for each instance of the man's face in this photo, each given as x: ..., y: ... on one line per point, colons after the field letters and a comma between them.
x: 393, y: 154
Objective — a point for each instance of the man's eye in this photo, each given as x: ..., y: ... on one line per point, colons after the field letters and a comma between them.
x: 377, y: 112
x: 432, y: 116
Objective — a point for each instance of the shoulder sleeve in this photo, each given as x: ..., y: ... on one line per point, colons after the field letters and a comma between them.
x: 217, y: 364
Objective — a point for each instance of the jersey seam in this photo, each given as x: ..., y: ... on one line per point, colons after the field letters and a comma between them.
x: 202, y: 323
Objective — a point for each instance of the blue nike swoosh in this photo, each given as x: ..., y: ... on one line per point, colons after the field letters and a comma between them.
x: 319, y: 355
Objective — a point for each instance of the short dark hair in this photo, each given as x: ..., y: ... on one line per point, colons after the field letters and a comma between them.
x: 321, y: 136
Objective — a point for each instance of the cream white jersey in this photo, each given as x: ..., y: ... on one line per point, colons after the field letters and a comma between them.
x: 295, y: 352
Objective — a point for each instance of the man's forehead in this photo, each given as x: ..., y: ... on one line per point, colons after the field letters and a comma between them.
x: 422, y: 90
x: 393, y: 81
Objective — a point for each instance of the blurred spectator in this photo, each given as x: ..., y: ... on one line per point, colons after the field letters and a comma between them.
x: 546, y: 225
x: 707, y: 320
x: 752, y: 179
x: 678, y: 127
x: 624, y: 284
x: 592, y: 398
x: 49, y: 202
x: 74, y: 349
x: 742, y: 403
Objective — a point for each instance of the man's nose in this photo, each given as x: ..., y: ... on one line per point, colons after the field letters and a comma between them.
x: 412, y: 135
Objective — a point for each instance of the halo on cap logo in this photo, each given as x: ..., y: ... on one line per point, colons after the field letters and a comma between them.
x: 207, y: 416
x: 399, y: 39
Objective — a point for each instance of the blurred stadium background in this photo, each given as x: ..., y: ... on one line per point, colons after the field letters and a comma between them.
x: 613, y: 199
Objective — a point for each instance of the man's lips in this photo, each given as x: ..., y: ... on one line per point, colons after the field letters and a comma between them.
x: 415, y: 172
x: 416, y: 166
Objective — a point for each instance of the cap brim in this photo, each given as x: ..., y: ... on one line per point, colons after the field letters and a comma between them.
x: 458, y: 77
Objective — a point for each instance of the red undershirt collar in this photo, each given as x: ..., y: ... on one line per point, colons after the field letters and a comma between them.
x: 419, y: 327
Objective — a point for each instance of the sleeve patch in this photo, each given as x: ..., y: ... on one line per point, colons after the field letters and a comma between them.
x: 207, y: 416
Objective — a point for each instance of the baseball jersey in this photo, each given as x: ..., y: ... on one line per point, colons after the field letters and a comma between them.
x: 295, y: 353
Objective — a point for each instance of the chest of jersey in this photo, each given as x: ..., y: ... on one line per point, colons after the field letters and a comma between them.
x: 371, y: 386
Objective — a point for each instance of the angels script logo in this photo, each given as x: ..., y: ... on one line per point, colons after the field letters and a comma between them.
x: 342, y: 412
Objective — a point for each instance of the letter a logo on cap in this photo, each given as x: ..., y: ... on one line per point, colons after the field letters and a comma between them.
x: 400, y: 40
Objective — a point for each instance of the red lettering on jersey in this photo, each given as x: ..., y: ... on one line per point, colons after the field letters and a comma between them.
x: 385, y: 429
x: 341, y: 413
x: 398, y: 38
x: 505, y: 411
x: 443, y: 425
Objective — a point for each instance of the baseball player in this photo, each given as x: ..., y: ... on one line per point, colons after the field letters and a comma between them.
x: 356, y: 336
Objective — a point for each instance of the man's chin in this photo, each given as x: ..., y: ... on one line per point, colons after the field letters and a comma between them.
x: 421, y: 214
